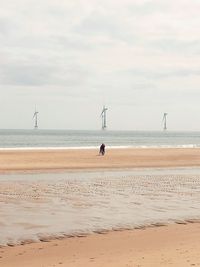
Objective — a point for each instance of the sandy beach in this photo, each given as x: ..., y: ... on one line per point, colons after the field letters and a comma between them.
x: 172, y: 245
x: 61, y: 160
x: 175, y: 244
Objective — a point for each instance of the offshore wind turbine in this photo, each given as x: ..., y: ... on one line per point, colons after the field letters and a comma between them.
x: 35, y: 116
x: 103, y: 117
x: 164, y: 121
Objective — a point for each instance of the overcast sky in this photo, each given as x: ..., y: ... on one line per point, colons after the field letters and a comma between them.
x: 69, y: 58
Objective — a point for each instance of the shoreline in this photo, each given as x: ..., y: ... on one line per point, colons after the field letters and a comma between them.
x: 192, y: 146
x: 170, y: 245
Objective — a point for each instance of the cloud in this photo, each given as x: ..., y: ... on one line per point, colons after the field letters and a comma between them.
x: 131, y: 52
x: 26, y: 75
x: 160, y: 74
x: 175, y: 46
x: 42, y: 75
x: 142, y: 9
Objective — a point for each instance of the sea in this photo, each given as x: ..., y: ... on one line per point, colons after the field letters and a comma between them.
x: 38, y: 207
x: 29, y: 139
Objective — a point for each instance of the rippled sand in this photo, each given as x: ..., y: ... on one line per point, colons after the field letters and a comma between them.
x: 43, y: 206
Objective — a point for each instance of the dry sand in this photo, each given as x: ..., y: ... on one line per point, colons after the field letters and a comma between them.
x: 46, y: 160
x: 172, y: 245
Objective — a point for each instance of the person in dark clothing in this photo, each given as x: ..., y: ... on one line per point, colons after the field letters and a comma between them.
x: 102, y: 149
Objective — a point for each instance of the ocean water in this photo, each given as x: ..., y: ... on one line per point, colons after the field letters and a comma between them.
x: 88, y: 139
x: 39, y: 207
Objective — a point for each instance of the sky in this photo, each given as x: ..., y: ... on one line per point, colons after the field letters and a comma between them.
x: 67, y: 59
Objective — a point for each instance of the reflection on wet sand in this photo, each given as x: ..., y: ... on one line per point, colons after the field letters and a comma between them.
x: 40, y: 207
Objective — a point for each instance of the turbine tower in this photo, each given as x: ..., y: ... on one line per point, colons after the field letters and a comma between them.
x: 35, y: 115
x: 103, y: 117
x: 164, y: 120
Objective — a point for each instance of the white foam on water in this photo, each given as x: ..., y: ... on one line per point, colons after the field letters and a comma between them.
x: 96, y: 147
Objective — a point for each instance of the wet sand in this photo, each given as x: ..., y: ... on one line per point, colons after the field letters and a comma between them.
x: 59, y: 160
x: 53, y: 205
x: 172, y: 245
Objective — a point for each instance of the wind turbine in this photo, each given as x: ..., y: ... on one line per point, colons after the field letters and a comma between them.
x: 103, y: 117
x: 35, y: 115
x: 164, y: 120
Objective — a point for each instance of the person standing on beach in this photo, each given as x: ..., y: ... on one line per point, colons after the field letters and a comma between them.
x: 102, y: 149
